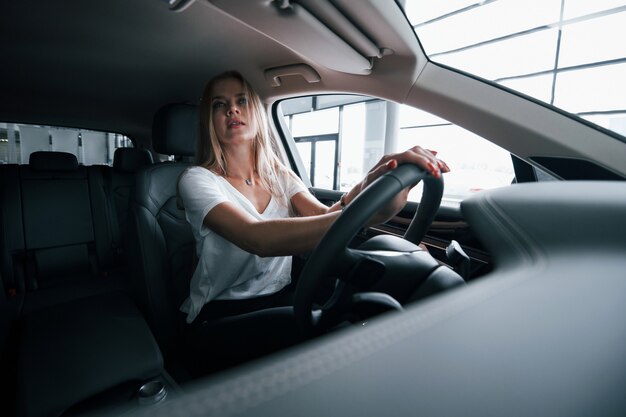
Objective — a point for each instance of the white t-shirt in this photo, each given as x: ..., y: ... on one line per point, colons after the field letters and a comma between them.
x: 224, y: 271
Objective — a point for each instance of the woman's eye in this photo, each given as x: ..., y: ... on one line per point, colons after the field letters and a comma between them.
x: 218, y: 105
x: 243, y: 101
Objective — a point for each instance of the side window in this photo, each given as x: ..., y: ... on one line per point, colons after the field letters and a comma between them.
x: 340, y: 137
x: 18, y: 141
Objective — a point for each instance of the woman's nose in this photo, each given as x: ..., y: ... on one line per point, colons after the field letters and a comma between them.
x: 232, y: 109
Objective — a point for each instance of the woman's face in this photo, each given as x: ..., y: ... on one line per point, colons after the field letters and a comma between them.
x: 232, y: 115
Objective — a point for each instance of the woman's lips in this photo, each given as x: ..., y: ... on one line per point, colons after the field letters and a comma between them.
x: 235, y: 124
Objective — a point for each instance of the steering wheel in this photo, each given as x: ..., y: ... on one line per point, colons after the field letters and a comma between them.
x: 332, y: 258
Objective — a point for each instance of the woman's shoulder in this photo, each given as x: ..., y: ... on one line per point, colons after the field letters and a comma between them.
x: 198, y: 173
x: 197, y: 183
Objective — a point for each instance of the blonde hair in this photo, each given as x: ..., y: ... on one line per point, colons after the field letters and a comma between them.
x: 209, y: 152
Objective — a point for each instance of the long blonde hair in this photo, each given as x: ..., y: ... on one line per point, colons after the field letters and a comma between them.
x: 209, y: 153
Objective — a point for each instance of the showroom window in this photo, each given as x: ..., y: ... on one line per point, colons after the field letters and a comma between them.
x: 340, y: 137
x: 568, y: 53
x: 18, y: 141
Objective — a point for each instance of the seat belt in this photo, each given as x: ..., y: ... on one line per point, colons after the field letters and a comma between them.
x: 111, y: 212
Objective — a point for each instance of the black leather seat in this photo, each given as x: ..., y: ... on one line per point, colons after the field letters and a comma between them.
x: 162, y: 259
x: 119, y: 182
x: 161, y: 244
x: 71, y: 352
x: 65, y: 245
x: 69, y: 331
x: 130, y: 160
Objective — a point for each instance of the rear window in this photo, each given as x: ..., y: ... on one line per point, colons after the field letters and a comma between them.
x: 18, y: 141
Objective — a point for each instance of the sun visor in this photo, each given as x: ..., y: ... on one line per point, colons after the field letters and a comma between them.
x: 338, y: 45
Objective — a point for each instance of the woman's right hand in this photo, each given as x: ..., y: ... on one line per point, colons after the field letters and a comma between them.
x: 417, y: 155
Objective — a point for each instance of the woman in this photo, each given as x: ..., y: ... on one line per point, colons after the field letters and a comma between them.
x: 249, y: 212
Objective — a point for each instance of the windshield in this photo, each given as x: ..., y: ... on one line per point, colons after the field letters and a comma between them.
x: 568, y: 53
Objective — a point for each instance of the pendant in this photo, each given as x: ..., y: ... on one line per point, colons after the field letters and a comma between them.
x: 248, y: 182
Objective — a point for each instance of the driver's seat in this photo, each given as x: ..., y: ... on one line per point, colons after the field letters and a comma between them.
x: 160, y: 241
x: 161, y: 256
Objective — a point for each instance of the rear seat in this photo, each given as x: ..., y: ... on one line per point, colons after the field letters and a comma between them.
x: 74, y: 351
x: 67, y: 326
x: 12, y: 236
x: 67, y: 244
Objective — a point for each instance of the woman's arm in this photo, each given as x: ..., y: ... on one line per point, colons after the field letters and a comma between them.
x: 298, y: 235
x: 307, y: 205
x: 278, y: 237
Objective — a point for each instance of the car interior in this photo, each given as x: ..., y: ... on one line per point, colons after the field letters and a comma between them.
x: 501, y: 297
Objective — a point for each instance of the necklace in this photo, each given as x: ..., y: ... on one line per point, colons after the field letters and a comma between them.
x: 248, y: 181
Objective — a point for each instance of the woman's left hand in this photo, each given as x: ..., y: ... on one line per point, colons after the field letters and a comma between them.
x: 417, y: 155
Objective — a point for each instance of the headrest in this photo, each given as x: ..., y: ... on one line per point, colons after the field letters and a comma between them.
x: 175, y: 130
x: 131, y: 159
x: 53, y: 161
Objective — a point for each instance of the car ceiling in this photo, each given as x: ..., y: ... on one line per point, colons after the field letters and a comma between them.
x: 110, y: 65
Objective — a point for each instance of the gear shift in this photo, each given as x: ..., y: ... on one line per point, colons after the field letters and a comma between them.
x: 458, y: 259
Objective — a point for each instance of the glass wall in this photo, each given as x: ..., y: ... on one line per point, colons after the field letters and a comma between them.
x: 340, y: 137
x: 569, y: 53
